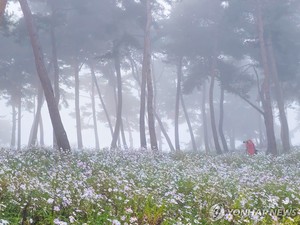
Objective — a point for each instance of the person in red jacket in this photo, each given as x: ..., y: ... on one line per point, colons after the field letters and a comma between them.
x: 250, y: 147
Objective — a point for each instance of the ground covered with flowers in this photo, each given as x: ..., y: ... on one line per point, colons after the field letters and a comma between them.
x: 40, y: 186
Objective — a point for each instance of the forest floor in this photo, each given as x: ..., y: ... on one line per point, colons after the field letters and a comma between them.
x: 40, y: 186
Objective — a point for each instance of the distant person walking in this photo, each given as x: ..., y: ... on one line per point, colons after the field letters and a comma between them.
x: 250, y: 147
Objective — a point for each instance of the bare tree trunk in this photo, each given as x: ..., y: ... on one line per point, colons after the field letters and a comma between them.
x: 188, y: 123
x: 14, y: 126
x: 55, y: 64
x: 266, y: 96
x: 42, y: 142
x: 19, y: 122
x: 60, y: 133
x: 177, y: 104
x: 204, y: 119
x: 97, y: 146
x: 145, y: 74
x: 285, y: 133
x: 77, y: 106
x: 221, y: 132
x: 150, y: 106
x: 123, y: 136
x: 165, y: 133
x: 101, y: 99
x: 2, y: 9
x: 34, y: 129
x: 119, y: 105
x: 211, y: 107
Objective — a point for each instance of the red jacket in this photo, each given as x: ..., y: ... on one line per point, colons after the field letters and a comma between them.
x: 250, y: 147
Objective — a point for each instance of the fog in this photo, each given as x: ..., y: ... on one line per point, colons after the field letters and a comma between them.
x: 198, y: 76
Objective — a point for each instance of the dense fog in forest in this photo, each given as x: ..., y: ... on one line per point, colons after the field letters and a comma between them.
x: 193, y: 75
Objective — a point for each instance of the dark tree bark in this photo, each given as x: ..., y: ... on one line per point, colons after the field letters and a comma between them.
x: 119, y: 100
x: 204, y: 119
x: 221, y: 131
x: 285, y: 133
x: 77, y: 107
x: 19, y: 122
x: 177, y: 104
x: 101, y: 98
x: 266, y: 96
x: 14, y: 126
x: 60, y: 133
x: 97, y: 145
x: 34, y: 129
x: 188, y: 123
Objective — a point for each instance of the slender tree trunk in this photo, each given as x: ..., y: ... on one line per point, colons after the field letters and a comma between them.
x: 285, y: 133
x: 2, y: 9
x: 188, y: 123
x: 204, y: 119
x: 266, y: 96
x: 60, y: 133
x: 55, y: 64
x: 101, y: 99
x: 123, y: 136
x: 145, y: 74
x: 97, y: 145
x: 177, y: 104
x: 34, y: 129
x: 165, y: 133
x: 14, y: 126
x: 42, y: 142
x: 211, y: 107
x: 221, y: 132
x: 19, y: 122
x: 119, y: 105
x: 77, y: 106
x: 159, y: 138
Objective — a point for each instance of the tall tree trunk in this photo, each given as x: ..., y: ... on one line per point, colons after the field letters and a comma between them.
x: 42, y: 142
x: 165, y: 133
x: 232, y: 139
x: 204, y: 119
x: 123, y: 136
x: 60, y: 133
x: 285, y: 133
x: 101, y: 98
x: 19, y: 122
x: 221, y: 131
x: 34, y: 129
x: 211, y: 107
x: 2, y: 9
x: 145, y: 74
x: 119, y: 105
x: 266, y: 96
x: 14, y: 126
x: 97, y: 146
x: 77, y: 106
x: 177, y: 104
x: 188, y: 123
x: 55, y: 63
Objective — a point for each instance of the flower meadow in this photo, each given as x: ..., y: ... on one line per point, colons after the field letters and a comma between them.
x: 41, y: 186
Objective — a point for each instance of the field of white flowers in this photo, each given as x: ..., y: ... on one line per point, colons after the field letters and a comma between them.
x: 133, y: 187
